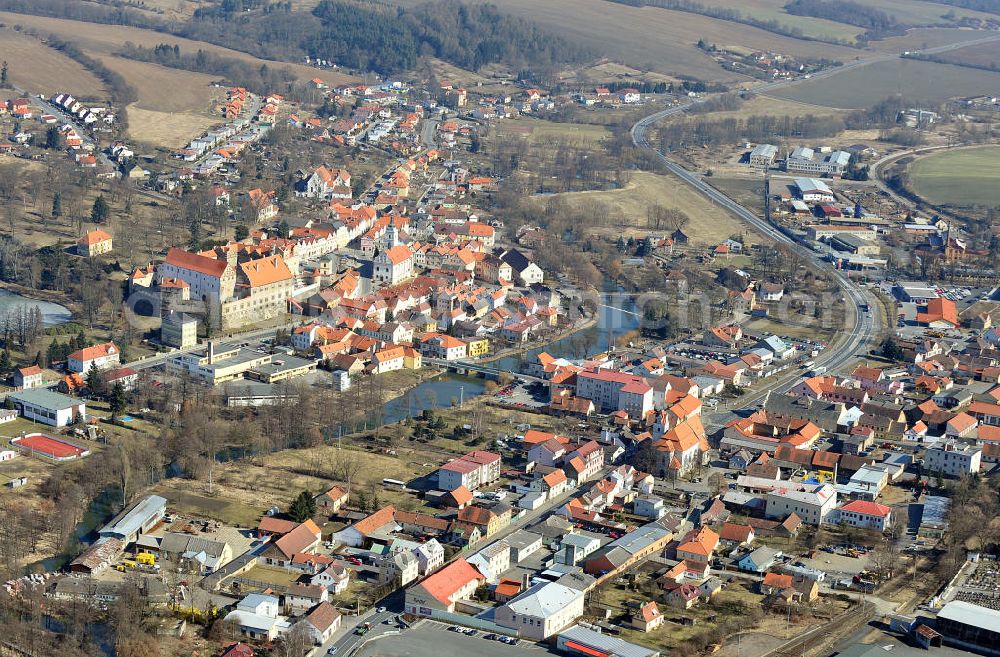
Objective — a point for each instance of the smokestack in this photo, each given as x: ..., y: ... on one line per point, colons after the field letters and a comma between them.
x: 525, y: 581
x: 211, y: 352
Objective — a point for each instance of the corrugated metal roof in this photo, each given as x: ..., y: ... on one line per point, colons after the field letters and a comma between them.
x: 970, y: 614
x: 606, y: 644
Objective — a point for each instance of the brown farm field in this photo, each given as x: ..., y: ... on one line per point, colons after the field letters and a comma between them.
x: 709, y: 224
x: 169, y: 130
x: 37, y: 68
x: 984, y: 55
x: 110, y: 38
x: 165, y: 89
x: 173, y: 107
x: 924, y: 37
x: 920, y: 81
x: 654, y: 39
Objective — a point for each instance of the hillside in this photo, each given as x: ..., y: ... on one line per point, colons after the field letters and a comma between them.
x: 361, y: 35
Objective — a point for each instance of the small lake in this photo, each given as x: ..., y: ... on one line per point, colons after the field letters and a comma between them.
x: 52, y: 313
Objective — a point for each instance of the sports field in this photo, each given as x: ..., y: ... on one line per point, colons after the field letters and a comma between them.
x: 919, y: 81
x: 965, y: 177
x: 53, y: 448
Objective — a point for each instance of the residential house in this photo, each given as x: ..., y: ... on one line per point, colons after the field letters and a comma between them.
x: 379, y: 523
x: 864, y: 514
x: 334, y: 578
x: 102, y: 356
x: 299, y: 596
x: 94, y: 243
x: 736, y: 534
x: 430, y: 556
x: 256, y: 615
x: 698, y: 545
x: 332, y: 500
x: 683, y: 596
x: 774, y: 583
x: 321, y: 622
x: 399, y: 567
x: 440, y: 591
x: 28, y: 377
x: 646, y: 617
x: 758, y: 561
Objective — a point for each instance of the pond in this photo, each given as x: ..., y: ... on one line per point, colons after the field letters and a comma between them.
x: 52, y: 313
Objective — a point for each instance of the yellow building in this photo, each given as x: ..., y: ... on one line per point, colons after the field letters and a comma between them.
x: 477, y: 347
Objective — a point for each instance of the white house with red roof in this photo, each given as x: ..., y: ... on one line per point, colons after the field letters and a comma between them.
x: 444, y: 347
x: 585, y: 462
x: 440, y: 591
x: 102, y: 356
x: 392, y: 265
x: 474, y: 470
x: 29, y: 377
x: 614, y: 391
x: 94, y: 242
x: 866, y: 515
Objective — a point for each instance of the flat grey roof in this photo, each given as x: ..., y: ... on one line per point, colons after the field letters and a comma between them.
x: 967, y: 613
x: 45, y: 399
x: 522, y: 538
x: 284, y: 364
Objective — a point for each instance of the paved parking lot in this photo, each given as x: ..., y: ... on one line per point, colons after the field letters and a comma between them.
x: 432, y: 639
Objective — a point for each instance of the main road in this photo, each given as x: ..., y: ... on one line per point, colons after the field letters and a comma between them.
x: 862, y: 327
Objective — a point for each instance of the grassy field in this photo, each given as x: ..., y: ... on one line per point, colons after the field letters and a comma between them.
x: 541, y: 132
x: 963, y: 177
x: 770, y: 105
x: 923, y: 12
x: 109, y: 38
x: 35, y: 67
x: 655, y: 39
x: 920, y: 81
x: 768, y: 10
x: 708, y: 225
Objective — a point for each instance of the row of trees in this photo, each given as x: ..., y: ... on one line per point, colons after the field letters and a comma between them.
x: 687, y: 133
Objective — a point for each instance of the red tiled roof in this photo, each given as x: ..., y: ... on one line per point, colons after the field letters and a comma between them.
x: 94, y: 237
x: 96, y: 351
x: 867, y: 508
x: 380, y: 518
x: 195, y: 262
x: 443, y: 584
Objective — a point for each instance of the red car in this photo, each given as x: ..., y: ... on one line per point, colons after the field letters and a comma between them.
x: 354, y: 560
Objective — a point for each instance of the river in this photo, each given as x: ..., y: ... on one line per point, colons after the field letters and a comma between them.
x: 52, y: 313
x: 617, y: 316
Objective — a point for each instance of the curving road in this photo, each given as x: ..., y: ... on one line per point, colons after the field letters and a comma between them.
x: 862, y: 327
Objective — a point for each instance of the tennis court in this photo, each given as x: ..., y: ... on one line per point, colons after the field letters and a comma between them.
x: 53, y: 448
